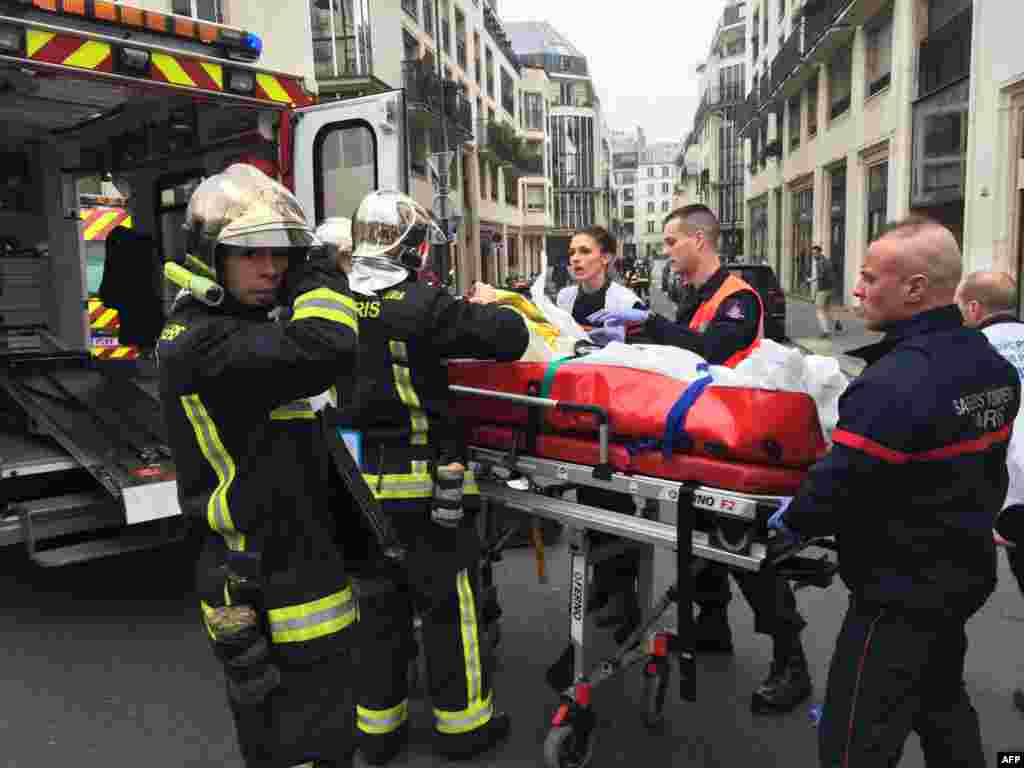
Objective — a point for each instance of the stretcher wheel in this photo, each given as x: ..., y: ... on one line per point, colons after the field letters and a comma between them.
x: 567, y: 747
x: 656, y: 680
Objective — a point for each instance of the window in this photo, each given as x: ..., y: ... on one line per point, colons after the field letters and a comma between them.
x: 878, y: 62
x: 483, y: 180
x: 534, y: 107
x: 650, y: 207
x: 490, y: 73
x: 627, y: 195
x: 206, y: 10
x: 839, y: 72
x: 446, y: 29
x: 812, y: 108
x: 508, y: 92
x: 428, y: 18
x: 650, y: 227
x: 334, y: 38
x: 666, y: 172
x: 878, y: 183
x: 511, y: 188
x: 664, y: 206
x: 346, y: 164
x: 794, y: 122
x: 494, y: 183
x: 534, y: 197
x: 650, y: 173
x: 411, y: 7
x: 650, y: 190
x: 460, y: 39
x: 476, y: 55
x: 782, y: 9
x: 803, y: 213
x: 764, y: 36
x: 665, y: 190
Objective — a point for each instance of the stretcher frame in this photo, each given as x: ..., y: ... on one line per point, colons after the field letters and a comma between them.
x: 666, y: 521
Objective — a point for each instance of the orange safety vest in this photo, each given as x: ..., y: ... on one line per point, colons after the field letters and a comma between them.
x: 706, y: 312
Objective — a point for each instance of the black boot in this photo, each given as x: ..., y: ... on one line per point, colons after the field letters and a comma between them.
x: 466, y: 746
x: 713, y: 634
x: 788, y: 684
x: 383, y: 748
x: 560, y: 674
x: 1018, y: 699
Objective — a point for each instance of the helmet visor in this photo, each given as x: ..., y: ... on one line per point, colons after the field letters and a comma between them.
x: 270, y: 238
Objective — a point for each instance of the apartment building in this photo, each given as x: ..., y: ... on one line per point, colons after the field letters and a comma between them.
x: 687, y: 189
x: 655, y: 186
x: 579, y: 169
x: 625, y: 150
x: 715, y: 132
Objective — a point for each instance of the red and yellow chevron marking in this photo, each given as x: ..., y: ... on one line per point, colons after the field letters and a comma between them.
x: 100, y: 222
x: 96, y: 56
x: 115, y: 353
x: 101, y: 318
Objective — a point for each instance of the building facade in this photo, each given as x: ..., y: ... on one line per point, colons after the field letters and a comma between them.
x: 579, y: 153
x: 655, y: 187
x: 715, y: 131
x: 625, y: 151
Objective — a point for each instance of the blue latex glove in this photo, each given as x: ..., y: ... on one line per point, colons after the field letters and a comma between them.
x: 605, y: 336
x: 777, y: 522
x: 815, y: 714
x: 618, y: 316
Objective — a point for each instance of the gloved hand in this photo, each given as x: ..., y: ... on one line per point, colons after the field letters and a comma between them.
x: 602, y: 337
x: 777, y: 522
x: 815, y: 714
x: 608, y: 317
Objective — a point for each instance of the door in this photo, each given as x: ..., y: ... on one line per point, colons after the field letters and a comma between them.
x: 838, y: 232
x: 345, y: 149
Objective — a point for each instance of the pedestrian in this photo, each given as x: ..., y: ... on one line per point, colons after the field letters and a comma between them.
x: 412, y: 457
x: 591, y: 252
x: 824, y: 279
x: 988, y: 302
x: 910, y: 489
x: 252, y: 466
x: 721, y: 318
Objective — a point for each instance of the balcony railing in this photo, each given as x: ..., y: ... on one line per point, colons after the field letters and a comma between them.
x: 819, y: 15
x: 424, y: 88
x: 789, y: 55
x: 945, y: 56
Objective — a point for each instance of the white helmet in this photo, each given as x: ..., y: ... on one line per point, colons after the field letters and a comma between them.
x: 394, y: 226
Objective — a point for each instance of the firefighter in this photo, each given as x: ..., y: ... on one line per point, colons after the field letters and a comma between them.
x: 927, y: 423
x: 397, y: 419
x: 251, y: 471
x: 721, y: 318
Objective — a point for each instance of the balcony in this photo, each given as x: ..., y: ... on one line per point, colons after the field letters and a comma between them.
x: 424, y: 89
x: 493, y: 25
x: 342, y: 60
x: 945, y: 56
x: 500, y: 143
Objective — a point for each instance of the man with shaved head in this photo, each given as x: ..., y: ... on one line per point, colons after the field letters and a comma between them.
x: 721, y: 318
x: 988, y: 301
x: 911, y: 490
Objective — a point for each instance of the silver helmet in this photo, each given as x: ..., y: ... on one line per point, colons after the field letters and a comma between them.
x: 394, y: 226
x: 244, y: 208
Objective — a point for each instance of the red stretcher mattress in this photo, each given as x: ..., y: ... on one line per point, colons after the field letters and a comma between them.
x: 681, y: 467
x: 731, y: 424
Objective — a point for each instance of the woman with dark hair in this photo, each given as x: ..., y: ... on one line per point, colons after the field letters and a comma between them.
x: 591, y: 252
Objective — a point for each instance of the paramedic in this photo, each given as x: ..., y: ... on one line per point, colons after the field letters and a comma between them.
x: 412, y: 459
x: 590, y: 255
x: 276, y: 601
x: 928, y: 422
x: 720, y: 318
x: 988, y: 301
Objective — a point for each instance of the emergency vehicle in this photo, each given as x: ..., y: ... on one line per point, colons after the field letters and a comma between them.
x: 154, y: 103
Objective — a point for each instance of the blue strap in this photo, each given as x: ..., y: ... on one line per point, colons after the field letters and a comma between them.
x: 675, y: 432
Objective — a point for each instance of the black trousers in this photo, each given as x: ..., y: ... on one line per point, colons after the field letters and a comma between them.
x: 770, y: 597
x: 891, y: 674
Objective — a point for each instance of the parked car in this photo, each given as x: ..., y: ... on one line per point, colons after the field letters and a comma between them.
x: 762, y: 279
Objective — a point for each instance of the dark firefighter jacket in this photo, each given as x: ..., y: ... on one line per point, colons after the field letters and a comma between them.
x: 917, y: 472
x: 250, y: 457
x: 399, y: 402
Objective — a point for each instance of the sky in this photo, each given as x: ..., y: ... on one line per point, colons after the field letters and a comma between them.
x: 643, y: 55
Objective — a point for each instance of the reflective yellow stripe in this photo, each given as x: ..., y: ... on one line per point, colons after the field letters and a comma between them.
x: 35, y: 40
x: 99, y: 224
x: 466, y: 720
x: 418, y: 484
x: 171, y: 69
x: 200, y: 267
x: 215, y: 72
x: 326, y: 305
x: 88, y: 56
x: 108, y: 316
x: 207, y: 610
x: 470, y: 638
x: 218, y: 515
x: 407, y: 393
x: 298, y: 409
x: 381, y: 721
x: 273, y: 88
x: 308, y: 621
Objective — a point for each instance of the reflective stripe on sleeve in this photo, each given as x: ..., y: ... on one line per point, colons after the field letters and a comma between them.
x: 309, y: 621
x: 326, y: 304
x: 407, y: 393
x: 297, y: 409
x: 218, y: 515
x: 381, y: 721
x: 418, y: 484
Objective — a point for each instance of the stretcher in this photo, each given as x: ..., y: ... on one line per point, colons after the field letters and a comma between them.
x: 692, y: 510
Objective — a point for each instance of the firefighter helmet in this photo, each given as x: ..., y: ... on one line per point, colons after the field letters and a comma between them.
x: 244, y: 208
x: 394, y: 226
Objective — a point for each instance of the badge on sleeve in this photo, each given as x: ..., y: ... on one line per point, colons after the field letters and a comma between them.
x: 734, y: 311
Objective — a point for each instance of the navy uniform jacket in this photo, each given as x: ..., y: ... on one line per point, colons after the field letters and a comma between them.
x: 917, y: 473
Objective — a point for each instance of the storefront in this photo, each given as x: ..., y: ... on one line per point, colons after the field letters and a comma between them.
x: 758, y: 252
x: 803, y: 220
x: 837, y: 228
